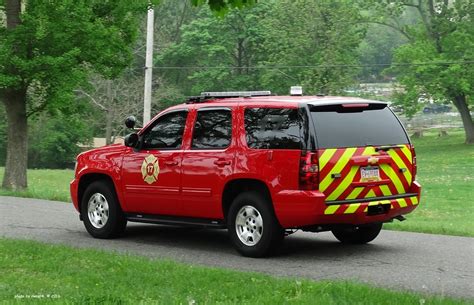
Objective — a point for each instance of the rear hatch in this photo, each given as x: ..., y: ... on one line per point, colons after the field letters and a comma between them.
x: 363, y: 151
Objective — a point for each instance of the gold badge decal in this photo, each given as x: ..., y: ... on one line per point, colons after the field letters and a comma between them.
x: 150, y: 169
x: 373, y: 160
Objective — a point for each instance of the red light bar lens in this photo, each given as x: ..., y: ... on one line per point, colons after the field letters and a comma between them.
x: 355, y: 105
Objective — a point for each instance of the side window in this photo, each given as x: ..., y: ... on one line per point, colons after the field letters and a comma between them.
x: 273, y: 128
x: 167, y: 132
x: 213, y: 129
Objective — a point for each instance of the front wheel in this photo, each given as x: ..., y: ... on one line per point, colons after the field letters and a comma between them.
x: 101, y: 212
x: 358, y: 234
x: 252, y: 225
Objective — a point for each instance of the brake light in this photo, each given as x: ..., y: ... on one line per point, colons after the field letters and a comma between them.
x: 309, y: 171
x: 414, y: 166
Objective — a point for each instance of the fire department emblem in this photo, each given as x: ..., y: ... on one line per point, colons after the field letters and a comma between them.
x: 150, y: 169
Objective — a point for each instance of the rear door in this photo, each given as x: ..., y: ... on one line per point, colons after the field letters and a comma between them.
x: 208, y: 162
x: 363, y: 151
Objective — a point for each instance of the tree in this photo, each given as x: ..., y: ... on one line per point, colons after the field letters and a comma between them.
x: 46, y: 49
x: 318, y: 36
x: 437, y: 60
x: 226, y: 47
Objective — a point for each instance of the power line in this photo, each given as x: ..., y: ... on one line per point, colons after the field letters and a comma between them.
x: 278, y: 67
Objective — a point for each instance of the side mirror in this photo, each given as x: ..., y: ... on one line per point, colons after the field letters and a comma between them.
x: 131, y: 140
x: 130, y: 121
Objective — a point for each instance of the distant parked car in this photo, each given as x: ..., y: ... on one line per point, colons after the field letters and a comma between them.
x: 436, y: 108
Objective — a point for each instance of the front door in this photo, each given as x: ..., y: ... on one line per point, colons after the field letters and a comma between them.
x: 151, y: 176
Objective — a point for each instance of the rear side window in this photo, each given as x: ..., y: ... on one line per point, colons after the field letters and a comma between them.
x: 213, y: 129
x: 338, y: 127
x: 272, y: 128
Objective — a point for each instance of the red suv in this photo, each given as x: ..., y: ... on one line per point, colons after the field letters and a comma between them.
x: 259, y: 165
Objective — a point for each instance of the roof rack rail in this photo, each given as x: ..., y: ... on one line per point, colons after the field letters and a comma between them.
x: 225, y: 94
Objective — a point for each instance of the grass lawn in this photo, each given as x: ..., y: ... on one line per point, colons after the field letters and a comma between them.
x: 446, y: 173
x: 445, y: 170
x: 51, y: 184
x: 69, y: 275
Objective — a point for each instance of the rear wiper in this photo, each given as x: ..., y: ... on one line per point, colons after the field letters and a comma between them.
x: 386, y: 147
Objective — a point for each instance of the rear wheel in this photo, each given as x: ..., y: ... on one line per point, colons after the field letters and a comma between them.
x: 101, y: 212
x: 358, y: 234
x: 252, y: 225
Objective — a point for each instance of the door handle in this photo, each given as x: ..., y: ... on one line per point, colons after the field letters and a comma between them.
x: 221, y: 162
x: 171, y: 163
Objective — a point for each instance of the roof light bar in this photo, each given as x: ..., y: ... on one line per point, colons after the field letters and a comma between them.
x: 236, y: 94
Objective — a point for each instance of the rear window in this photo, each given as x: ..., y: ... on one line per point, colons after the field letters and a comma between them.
x: 349, y: 127
x: 272, y: 128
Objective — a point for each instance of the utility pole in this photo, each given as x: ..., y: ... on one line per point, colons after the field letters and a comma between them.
x: 148, y: 65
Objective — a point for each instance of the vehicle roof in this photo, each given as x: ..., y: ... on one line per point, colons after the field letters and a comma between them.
x: 290, y: 101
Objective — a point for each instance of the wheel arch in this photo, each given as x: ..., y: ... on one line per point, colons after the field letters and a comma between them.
x: 89, y: 178
x: 235, y: 187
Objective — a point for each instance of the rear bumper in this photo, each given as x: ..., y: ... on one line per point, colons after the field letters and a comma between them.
x: 306, y: 208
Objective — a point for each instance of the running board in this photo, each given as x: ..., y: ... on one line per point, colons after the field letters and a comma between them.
x: 177, y: 221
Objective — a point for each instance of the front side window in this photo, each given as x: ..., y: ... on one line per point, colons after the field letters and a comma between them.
x: 273, y: 128
x: 167, y: 132
x: 213, y: 129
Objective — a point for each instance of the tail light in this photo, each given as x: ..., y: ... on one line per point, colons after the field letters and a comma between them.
x: 414, y: 166
x: 309, y: 171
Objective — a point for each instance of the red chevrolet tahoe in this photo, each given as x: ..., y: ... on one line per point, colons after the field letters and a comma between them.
x: 259, y: 165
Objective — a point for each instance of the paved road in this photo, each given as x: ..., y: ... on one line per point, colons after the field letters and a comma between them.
x: 426, y: 263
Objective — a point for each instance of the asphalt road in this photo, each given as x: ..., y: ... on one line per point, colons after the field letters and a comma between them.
x: 434, y: 264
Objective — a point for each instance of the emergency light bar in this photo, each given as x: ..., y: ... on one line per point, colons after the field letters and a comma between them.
x: 235, y: 94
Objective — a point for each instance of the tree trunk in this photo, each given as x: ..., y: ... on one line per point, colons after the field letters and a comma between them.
x: 17, y: 140
x: 461, y: 104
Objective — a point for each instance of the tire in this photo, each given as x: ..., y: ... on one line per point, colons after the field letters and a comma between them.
x: 106, y: 219
x: 358, y: 234
x: 246, y: 212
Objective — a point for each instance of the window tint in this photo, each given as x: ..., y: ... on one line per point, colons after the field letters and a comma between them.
x: 167, y: 133
x: 213, y: 129
x: 272, y: 128
x: 338, y: 128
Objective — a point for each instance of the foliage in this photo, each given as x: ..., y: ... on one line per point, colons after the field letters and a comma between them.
x: 436, y: 63
x: 244, y: 49
x: 85, y: 276
x: 312, y: 33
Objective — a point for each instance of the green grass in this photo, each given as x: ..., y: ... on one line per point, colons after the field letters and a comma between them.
x: 44, y: 184
x: 445, y: 170
x: 74, y: 276
x: 446, y: 173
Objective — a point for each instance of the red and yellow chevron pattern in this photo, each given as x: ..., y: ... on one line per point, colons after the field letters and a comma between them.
x: 396, y: 173
x: 362, y: 207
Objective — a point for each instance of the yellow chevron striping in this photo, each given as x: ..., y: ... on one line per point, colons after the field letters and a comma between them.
x: 344, y: 184
x: 331, y: 209
x: 399, y: 162
x: 325, y: 157
x: 414, y: 200
x: 352, y: 208
x: 407, y: 152
x: 370, y: 194
x: 342, y: 162
x: 355, y: 192
x: 385, y: 190
x: 388, y: 170
x: 402, y: 202
x: 369, y: 150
